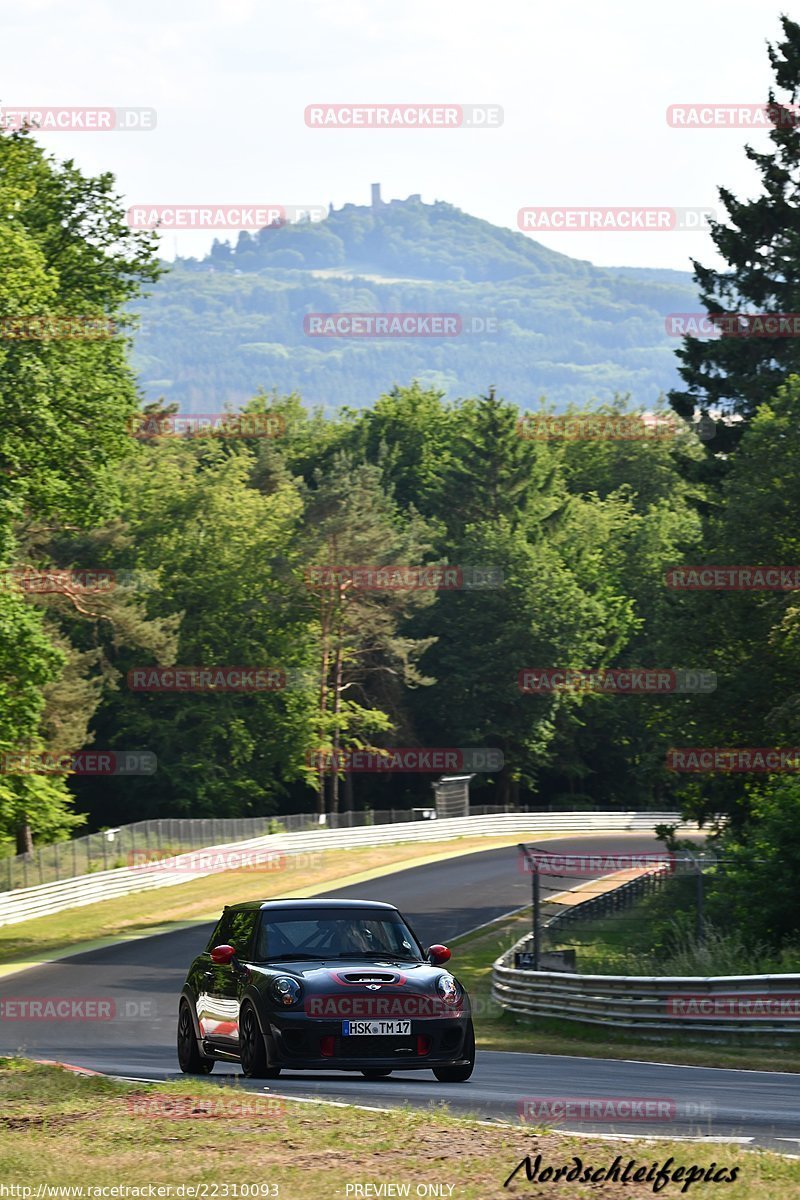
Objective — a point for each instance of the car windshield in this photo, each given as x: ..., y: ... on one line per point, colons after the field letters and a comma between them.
x: 344, y: 933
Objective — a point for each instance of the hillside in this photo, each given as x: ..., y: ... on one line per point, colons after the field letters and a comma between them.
x: 218, y: 329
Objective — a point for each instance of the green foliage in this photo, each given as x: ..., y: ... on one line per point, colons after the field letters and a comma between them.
x: 220, y: 536
x: 65, y: 252
x: 758, y: 892
x: 760, y: 244
x: 221, y: 552
x: 750, y: 639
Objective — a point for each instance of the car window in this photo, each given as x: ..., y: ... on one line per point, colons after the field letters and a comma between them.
x: 339, y: 934
x: 234, y: 929
x: 240, y: 934
x: 220, y: 935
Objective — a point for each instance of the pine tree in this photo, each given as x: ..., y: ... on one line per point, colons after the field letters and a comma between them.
x: 365, y: 659
x: 761, y: 245
x: 494, y: 472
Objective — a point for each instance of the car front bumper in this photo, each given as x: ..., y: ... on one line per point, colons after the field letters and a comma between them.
x: 308, y: 1044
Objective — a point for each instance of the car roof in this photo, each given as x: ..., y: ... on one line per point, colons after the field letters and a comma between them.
x: 313, y: 904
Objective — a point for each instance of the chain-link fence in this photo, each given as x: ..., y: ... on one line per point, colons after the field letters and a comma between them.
x: 129, y: 844
x: 601, y: 912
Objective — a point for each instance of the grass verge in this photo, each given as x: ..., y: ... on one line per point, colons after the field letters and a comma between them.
x: 63, y: 1130
x: 498, y: 1030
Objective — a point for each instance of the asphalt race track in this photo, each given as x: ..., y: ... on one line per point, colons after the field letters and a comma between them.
x: 441, y: 900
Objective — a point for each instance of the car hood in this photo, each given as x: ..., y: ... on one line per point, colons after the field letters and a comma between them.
x: 355, y: 973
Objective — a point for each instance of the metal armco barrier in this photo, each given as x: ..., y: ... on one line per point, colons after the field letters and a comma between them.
x: 659, y: 1004
x: 24, y: 903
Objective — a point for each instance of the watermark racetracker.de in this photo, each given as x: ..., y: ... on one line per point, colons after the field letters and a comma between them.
x: 55, y: 581
x: 620, y: 681
x: 76, y: 1008
x: 183, y: 1107
x: 72, y: 581
x: 591, y: 427
x: 397, y: 324
x: 613, y: 427
x: 402, y: 577
x: 764, y: 760
x: 257, y: 216
x: 215, y: 860
x: 78, y: 762
x: 403, y: 116
x: 45, y: 119
x: 43, y: 327
x: 531, y: 861
x: 733, y: 578
x: 715, y: 115
x: 410, y: 759
x: 206, y: 679
x: 785, y: 1005
x: 545, y: 1110
x: 733, y: 325
x: 615, y: 219
x: 150, y: 426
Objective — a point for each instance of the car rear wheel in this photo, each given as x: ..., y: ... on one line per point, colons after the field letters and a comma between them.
x: 376, y: 1072
x: 460, y: 1074
x: 190, y: 1060
x: 253, y: 1048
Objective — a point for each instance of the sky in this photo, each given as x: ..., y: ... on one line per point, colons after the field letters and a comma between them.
x: 584, y: 88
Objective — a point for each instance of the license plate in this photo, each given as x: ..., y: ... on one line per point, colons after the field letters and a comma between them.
x: 376, y: 1028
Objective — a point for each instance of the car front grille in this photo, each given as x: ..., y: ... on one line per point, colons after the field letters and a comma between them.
x: 376, y: 1047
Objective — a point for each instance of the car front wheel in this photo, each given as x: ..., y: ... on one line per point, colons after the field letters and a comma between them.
x: 253, y: 1048
x: 190, y: 1060
x: 460, y: 1074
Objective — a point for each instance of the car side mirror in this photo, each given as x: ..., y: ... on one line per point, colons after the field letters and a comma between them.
x: 221, y: 956
x: 438, y: 955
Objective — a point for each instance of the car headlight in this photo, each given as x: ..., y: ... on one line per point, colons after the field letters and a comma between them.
x: 448, y: 988
x: 285, y: 990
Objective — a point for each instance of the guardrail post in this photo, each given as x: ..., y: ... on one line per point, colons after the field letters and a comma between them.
x: 701, y: 931
x: 537, y: 927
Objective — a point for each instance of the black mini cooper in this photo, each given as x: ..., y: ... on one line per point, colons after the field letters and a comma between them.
x: 320, y: 985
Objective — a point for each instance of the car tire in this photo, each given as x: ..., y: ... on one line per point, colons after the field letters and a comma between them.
x: 253, y: 1047
x: 460, y: 1074
x: 376, y: 1072
x: 190, y: 1060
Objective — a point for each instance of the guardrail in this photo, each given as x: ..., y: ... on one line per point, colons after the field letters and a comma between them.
x: 114, y: 848
x: 23, y: 903
x: 118, y: 847
x: 650, y: 1004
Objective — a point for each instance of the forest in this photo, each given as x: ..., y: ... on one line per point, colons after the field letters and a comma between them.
x: 256, y: 602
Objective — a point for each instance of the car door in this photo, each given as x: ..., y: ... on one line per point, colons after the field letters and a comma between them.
x: 220, y: 986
